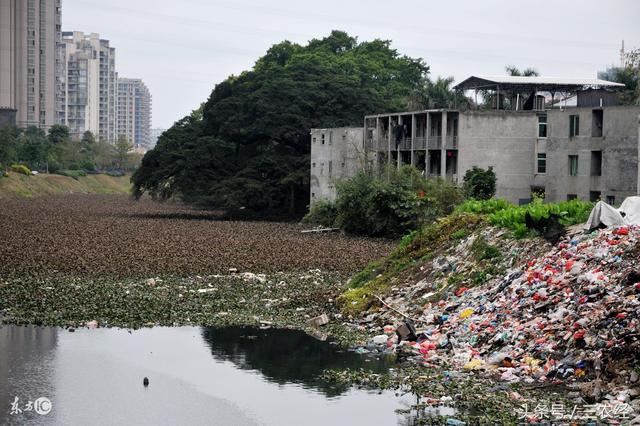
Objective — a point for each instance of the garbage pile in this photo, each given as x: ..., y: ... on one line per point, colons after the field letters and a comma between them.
x: 573, y: 313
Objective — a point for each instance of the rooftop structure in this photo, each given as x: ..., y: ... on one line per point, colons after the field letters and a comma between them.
x: 510, y: 83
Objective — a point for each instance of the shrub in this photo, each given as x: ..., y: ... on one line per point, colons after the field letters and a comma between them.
x: 480, y: 183
x: 21, y: 168
x: 54, y: 166
x: 115, y: 173
x: 322, y: 212
x: 75, y: 174
x: 392, y: 203
x: 87, y: 166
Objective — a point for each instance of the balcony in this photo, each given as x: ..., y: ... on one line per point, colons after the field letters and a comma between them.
x: 420, y: 143
x: 452, y: 142
x: 404, y: 145
x: 434, y: 142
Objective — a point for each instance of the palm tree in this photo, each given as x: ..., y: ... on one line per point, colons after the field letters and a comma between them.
x: 527, y: 72
x: 437, y: 94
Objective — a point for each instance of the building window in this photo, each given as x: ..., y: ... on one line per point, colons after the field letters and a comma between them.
x: 330, y: 137
x: 313, y: 165
x: 574, y: 126
x: 322, y: 139
x: 330, y: 166
x: 611, y: 199
x: 573, y: 165
x: 572, y: 197
x: 596, y: 163
x: 313, y: 195
x: 314, y: 139
x: 321, y: 169
x: 542, y: 126
x: 594, y: 196
x: 542, y: 163
x: 597, y: 120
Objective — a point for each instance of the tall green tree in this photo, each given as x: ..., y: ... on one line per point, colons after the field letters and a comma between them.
x: 58, y: 134
x: 122, y: 150
x: 8, y: 144
x: 33, y: 148
x: 248, y: 151
x: 630, y: 77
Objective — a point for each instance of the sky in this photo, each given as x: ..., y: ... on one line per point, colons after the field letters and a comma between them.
x: 183, y: 48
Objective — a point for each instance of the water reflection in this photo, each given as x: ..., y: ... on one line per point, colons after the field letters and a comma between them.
x: 26, y: 357
x: 198, y: 376
x: 286, y: 356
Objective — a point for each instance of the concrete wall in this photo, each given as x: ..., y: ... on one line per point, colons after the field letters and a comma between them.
x: 618, y: 146
x: 505, y: 141
x: 336, y: 154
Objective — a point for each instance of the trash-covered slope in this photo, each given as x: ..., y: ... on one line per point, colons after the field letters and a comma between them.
x: 569, y: 313
x: 461, y: 250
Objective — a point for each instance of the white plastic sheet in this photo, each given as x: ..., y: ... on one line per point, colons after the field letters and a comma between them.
x: 603, y: 213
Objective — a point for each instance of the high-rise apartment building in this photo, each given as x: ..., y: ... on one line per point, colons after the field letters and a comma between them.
x: 87, y: 89
x: 134, y: 111
x: 29, y: 33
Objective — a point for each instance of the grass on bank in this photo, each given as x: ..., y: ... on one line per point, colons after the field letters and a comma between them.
x: 414, y: 249
x: 16, y: 185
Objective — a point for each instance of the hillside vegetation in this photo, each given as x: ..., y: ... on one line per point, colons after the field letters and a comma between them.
x: 16, y: 185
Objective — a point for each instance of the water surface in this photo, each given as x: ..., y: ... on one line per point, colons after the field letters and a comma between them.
x: 239, y: 376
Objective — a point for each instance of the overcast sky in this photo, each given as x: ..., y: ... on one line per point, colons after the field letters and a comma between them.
x: 181, y: 49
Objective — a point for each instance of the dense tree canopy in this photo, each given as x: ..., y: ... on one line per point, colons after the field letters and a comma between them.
x: 247, y: 148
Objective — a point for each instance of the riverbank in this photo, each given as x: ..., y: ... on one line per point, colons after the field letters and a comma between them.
x: 17, y: 185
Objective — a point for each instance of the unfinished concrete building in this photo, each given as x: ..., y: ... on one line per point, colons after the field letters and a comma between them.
x: 335, y: 154
x: 535, y: 144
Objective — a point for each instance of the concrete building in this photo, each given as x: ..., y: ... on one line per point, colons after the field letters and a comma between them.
x: 589, y: 151
x: 29, y: 33
x: 335, y: 154
x: 87, y: 89
x: 134, y: 112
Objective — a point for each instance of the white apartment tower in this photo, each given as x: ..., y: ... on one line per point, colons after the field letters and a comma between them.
x: 87, y: 90
x: 29, y: 33
x: 134, y: 111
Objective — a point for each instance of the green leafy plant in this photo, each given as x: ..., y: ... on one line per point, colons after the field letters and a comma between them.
x: 506, y: 215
